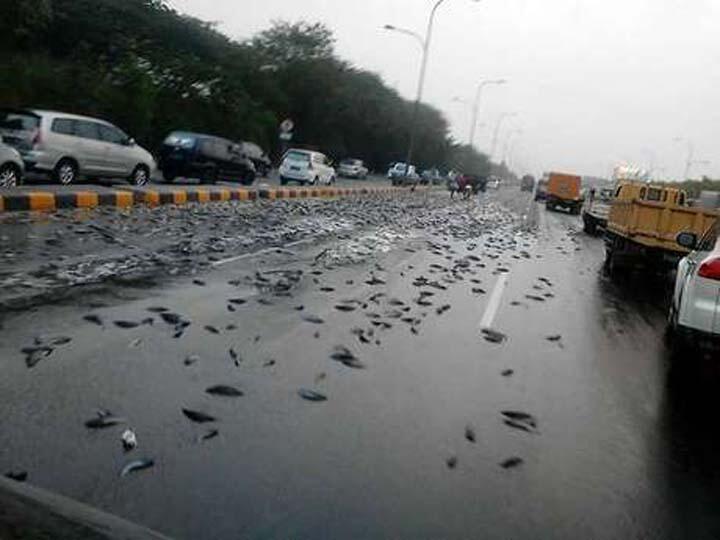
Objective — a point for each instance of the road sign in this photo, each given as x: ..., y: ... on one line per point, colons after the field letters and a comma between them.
x: 287, y: 126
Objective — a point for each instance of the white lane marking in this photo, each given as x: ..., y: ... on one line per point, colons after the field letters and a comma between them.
x: 223, y: 262
x: 494, y: 303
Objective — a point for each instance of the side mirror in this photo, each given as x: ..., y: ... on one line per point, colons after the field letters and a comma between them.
x: 129, y: 141
x: 687, y: 240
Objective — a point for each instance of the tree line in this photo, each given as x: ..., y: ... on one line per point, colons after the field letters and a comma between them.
x: 150, y: 70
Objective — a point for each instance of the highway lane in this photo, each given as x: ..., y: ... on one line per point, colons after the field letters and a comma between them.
x: 623, y: 442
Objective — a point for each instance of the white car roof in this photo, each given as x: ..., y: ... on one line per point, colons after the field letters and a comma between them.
x: 59, y: 114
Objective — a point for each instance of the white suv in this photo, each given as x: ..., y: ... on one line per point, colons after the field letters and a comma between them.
x: 695, y: 309
x: 306, y: 167
x: 67, y: 146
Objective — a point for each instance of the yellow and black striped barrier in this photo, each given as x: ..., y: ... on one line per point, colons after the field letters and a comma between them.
x: 126, y: 197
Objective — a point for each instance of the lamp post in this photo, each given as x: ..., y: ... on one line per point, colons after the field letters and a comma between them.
x: 476, y: 105
x: 504, y: 116
x: 509, y: 142
x: 425, y: 42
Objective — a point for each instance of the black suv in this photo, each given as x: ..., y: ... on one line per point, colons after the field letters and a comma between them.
x: 209, y: 158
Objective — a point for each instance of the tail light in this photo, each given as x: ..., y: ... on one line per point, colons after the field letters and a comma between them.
x: 710, y: 268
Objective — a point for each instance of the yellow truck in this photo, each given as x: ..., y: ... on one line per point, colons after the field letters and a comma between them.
x: 643, y: 224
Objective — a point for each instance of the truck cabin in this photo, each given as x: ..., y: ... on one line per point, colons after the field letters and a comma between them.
x: 629, y: 191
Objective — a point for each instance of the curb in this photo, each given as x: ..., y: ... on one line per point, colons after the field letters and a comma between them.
x: 127, y: 197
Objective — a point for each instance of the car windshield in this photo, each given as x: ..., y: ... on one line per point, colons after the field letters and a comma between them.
x: 18, y: 121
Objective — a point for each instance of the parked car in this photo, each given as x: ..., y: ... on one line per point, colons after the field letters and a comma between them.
x: 68, y: 146
x: 306, y: 167
x: 353, y: 168
x: 695, y: 309
x: 401, y: 174
x: 12, y: 167
x: 431, y: 176
x: 257, y: 155
x: 207, y: 157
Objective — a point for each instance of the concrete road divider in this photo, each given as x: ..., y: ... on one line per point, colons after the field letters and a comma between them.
x: 56, y: 197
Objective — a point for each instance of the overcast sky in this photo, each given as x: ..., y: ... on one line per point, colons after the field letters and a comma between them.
x: 594, y: 82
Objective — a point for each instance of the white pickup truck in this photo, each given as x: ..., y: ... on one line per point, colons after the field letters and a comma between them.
x: 596, y: 209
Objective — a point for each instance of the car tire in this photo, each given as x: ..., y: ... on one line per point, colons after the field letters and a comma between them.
x: 10, y: 176
x: 315, y: 181
x: 65, y: 172
x: 140, y: 176
x: 283, y: 181
x: 249, y: 178
x: 168, y: 176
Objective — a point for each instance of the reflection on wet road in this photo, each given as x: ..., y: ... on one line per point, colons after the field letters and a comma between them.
x: 564, y: 419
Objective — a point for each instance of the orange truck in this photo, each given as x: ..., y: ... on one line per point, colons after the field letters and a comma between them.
x: 563, y: 191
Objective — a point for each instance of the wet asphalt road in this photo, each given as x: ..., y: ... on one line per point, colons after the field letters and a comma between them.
x: 621, y: 442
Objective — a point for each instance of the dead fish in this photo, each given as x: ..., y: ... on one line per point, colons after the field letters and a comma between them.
x: 493, y: 336
x: 264, y: 302
x: 157, y: 309
x: 135, y: 343
x: 125, y: 325
x: 191, y: 359
x: 451, y: 462
x: 137, y: 465
x: 442, y: 309
x: 199, y: 282
x: 129, y: 440
x: 211, y: 329
x: 231, y: 308
x: 33, y: 355
x: 148, y: 321
x: 520, y: 416
x: 396, y: 302
x: 327, y: 289
x: 534, y: 297
x: 231, y: 327
x: 104, y: 421
x: 374, y: 280
x: 94, y: 319
x: 269, y: 363
x: 299, y: 308
x: 18, y: 476
x: 507, y: 372
x: 511, y: 463
x: 345, y: 307
x: 345, y: 356
x: 237, y: 301
x: 470, y: 434
x: 554, y: 338
x: 314, y: 319
x: 198, y: 417
x: 210, y: 435
x: 171, y: 318
x: 224, y: 391
x: 478, y: 290
x: 235, y: 356
x: 311, y: 395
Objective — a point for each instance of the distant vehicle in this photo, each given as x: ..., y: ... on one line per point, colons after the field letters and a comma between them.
x: 400, y: 174
x: 563, y: 191
x: 644, y: 223
x: 352, y: 168
x: 596, y: 209
x: 12, y: 167
x: 527, y: 183
x: 709, y: 199
x: 306, y: 167
x: 431, y: 176
x: 257, y: 155
x: 493, y: 182
x: 541, y: 190
x: 68, y: 146
x: 695, y: 308
x: 207, y: 157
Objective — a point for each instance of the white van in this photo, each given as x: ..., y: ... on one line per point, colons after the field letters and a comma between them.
x: 306, y: 167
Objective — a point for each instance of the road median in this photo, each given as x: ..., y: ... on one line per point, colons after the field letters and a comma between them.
x: 44, y: 199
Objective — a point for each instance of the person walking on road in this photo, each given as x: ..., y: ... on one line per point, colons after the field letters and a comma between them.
x: 452, y: 184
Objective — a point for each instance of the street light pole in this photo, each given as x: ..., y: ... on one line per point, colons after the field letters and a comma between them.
x: 425, y: 42
x: 500, y: 121
x: 476, y: 107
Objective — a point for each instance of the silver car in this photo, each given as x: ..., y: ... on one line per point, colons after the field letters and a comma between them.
x: 67, y: 146
x: 11, y: 167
